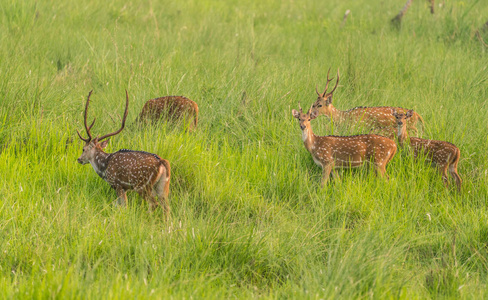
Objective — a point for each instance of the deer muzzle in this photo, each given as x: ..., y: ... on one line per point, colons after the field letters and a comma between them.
x: 81, y: 161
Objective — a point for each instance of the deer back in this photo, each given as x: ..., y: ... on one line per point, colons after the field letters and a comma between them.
x: 352, y: 150
x: 136, y: 170
x: 379, y: 116
x: 170, y: 106
x: 439, y: 152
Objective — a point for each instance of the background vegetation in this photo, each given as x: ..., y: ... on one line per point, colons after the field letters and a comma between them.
x: 249, y: 218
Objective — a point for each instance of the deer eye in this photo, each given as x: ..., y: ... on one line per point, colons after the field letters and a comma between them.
x: 320, y: 105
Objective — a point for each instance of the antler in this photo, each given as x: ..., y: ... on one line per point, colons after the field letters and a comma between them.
x: 317, y: 91
x: 310, y: 109
x: 300, y: 107
x: 86, y: 114
x: 123, y: 119
x: 326, y: 86
x: 337, y: 83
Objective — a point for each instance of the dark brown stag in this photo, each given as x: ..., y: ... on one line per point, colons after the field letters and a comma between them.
x: 146, y: 173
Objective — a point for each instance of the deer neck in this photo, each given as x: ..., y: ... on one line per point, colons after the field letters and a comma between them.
x: 402, y: 135
x: 99, y: 162
x: 308, y: 137
x: 337, y: 115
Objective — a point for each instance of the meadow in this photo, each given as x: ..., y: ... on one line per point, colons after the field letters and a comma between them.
x: 249, y: 217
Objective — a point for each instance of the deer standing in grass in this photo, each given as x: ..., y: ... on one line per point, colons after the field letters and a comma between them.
x: 146, y: 173
x: 331, y: 152
x: 376, y: 117
x: 171, y: 108
x: 442, y: 155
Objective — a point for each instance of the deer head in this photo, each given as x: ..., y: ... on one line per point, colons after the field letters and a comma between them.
x: 323, y: 104
x: 401, y: 121
x: 95, y: 145
x: 304, y: 118
x: 401, y: 117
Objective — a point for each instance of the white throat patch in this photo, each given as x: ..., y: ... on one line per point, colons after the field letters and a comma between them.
x: 98, y: 171
x: 304, y: 134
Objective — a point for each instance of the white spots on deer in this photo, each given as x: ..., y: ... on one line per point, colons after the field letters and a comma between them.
x: 444, y: 155
x: 344, y: 151
x: 374, y: 117
x: 126, y: 169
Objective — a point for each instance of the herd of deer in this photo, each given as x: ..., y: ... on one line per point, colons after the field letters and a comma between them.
x: 331, y: 152
x: 149, y: 175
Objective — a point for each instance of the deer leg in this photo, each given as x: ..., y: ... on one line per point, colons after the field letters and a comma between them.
x: 443, y: 171
x: 122, y: 197
x: 455, y: 175
x: 146, y: 193
x: 381, y: 171
x: 162, y: 191
x: 326, y: 173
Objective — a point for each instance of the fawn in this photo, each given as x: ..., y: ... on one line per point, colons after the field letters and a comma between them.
x: 146, y: 173
x: 171, y: 108
x: 375, y: 117
x: 331, y: 152
x: 442, y: 155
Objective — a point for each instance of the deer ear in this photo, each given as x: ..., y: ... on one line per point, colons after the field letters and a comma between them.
x: 328, y: 101
x: 104, y: 144
x: 409, y: 113
x: 295, y: 113
x: 314, y: 114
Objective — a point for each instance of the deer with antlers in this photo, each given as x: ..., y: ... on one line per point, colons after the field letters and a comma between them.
x: 376, y: 117
x: 331, y: 152
x: 171, y: 108
x: 146, y: 173
x: 442, y: 155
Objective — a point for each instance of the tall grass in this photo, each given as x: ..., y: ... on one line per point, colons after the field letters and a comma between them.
x: 249, y: 218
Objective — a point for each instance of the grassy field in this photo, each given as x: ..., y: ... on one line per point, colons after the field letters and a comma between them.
x: 249, y: 218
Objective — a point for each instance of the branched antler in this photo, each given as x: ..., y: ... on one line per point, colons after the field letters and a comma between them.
x: 87, y: 128
x: 337, y: 83
x: 123, y: 119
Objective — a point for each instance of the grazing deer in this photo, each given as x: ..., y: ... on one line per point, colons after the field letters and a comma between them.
x: 441, y: 154
x: 172, y: 108
x: 146, y: 173
x: 375, y: 117
x: 331, y: 152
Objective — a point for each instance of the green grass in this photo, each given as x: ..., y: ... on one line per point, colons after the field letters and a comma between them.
x: 249, y: 218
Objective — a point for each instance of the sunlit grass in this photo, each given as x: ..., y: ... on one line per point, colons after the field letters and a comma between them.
x: 249, y: 218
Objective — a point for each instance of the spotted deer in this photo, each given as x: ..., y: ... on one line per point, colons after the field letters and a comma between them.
x: 146, y: 173
x: 374, y: 117
x: 442, y: 155
x: 170, y: 108
x: 331, y: 152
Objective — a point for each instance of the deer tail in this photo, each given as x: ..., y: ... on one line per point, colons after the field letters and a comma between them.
x: 456, y: 157
x: 195, y: 119
x: 167, y: 166
x: 453, y: 168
